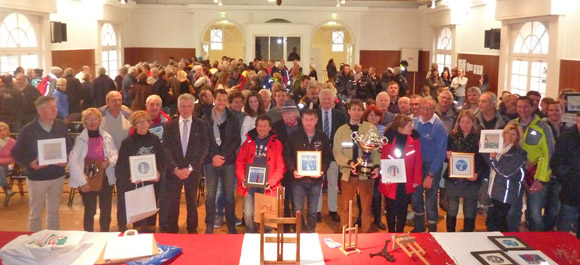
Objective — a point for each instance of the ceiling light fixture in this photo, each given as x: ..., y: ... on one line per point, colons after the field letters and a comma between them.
x: 123, y: 1
x: 215, y: 1
x: 220, y: 3
x: 337, y: 3
x: 342, y: 2
x: 271, y: 1
x: 432, y: 3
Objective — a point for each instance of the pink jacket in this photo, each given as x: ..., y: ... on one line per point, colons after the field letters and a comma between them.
x: 5, y: 158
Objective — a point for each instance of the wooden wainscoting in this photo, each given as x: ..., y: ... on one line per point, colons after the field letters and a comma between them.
x: 490, y: 67
x: 569, y: 74
x: 74, y: 59
x: 141, y: 54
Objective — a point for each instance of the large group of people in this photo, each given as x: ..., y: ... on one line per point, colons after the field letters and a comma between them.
x: 214, y: 120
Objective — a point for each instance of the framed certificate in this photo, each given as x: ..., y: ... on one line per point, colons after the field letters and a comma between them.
x: 309, y: 163
x: 531, y: 257
x: 507, y: 243
x: 461, y: 165
x: 491, y: 141
x: 491, y: 257
x: 572, y: 102
x: 393, y: 171
x: 257, y: 175
x: 52, y: 151
x: 143, y: 168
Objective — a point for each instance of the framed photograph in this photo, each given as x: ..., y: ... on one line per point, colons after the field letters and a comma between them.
x: 531, y: 257
x: 256, y: 175
x: 493, y: 257
x: 491, y: 141
x: 507, y: 243
x: 143, y: 168
x: 461, y: 165
x: 52, y: 151
x: 572, y: 102
x: 393, y: 171
x: 309, y: 163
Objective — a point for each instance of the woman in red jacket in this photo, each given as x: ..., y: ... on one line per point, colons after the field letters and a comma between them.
x: 403, y: 144
x: 260, y: 148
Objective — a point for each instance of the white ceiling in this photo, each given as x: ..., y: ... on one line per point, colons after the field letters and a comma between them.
x: 329, y: 3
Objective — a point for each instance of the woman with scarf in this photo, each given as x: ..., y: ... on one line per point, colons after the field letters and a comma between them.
x: 507, y: 170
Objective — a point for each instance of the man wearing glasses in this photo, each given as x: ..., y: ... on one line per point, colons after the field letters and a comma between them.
x: 433, y: 139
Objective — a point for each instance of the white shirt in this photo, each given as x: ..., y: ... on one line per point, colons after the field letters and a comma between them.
x: 432, y: 120
x: 181, y: 119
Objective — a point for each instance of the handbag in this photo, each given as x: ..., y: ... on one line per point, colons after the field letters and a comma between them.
x: 95, y: 173
x: 140, y: 203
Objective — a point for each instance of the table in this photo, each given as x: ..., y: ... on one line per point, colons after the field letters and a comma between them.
x: 226, y: 249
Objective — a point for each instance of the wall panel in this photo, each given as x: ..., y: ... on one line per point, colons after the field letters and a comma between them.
x: 135, y: 55
x: 490, y: 67
x: 74, y: 59
x: 569, y: 74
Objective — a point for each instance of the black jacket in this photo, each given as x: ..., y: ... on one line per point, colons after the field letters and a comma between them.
x: 280, y: 129
x: 101, y: 86
x: 565, y: 164
x: 338, y: 118
x: 299, y: 142
x: 136, y: 144
x: 230, y: 138
x: 197, y: 146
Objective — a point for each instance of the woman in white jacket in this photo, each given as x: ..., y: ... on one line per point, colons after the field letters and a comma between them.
x: 458, y: 87
x: 96, y: 145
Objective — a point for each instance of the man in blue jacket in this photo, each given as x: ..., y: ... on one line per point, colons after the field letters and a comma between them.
x: 433, y: 141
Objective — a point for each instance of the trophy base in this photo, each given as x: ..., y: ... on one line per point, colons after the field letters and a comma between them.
x: 364, y: 171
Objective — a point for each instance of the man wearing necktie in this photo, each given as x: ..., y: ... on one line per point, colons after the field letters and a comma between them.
x: 186, y: 140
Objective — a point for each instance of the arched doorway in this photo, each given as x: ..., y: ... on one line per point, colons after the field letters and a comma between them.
x: 222, y: 38
x: 331, y: 40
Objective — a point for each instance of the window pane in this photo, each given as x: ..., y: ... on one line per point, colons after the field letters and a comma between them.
x: 533, y: 38
x: 444, y: 41
x: 17, y: 31
x: 216, y: 39
x: 338, y: 41
x: 8, y: 63
x: 276, y: 48
x: 108, y: 37
x: 262, y: 48
x: 29, y: 61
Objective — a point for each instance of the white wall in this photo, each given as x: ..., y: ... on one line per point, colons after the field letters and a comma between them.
x: 390, y: 29
x: 471, y: 32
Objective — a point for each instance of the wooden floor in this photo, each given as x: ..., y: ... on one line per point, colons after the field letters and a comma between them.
x: 15, y: 216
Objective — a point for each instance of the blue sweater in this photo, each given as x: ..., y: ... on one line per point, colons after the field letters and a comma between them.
x: 433, y: 143
x: 61, y: 103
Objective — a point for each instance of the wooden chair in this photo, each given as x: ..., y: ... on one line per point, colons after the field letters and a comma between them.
x: 280, y: 222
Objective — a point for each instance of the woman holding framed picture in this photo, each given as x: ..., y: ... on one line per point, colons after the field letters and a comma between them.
x: 92, y: 169
x: 464, y: 138
x: 142, y: 142
x: 403, y: 144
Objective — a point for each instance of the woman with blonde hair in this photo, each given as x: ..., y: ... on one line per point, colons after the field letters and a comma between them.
x: 464, y: 138
x: 6, y: 145
x: 142, y: 142
x: 184, y: 85
x: 507, y: 169
x: 94, y: 147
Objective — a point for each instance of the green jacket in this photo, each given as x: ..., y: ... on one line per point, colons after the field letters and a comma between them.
x: 539, y: 143
x: 342, y: 148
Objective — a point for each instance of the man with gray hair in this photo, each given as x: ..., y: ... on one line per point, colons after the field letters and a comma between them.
x: 158, y: 117
x: 101, y: 87
x: 446, y: 111
x: 473, y: 94
x: 330, y: 119
x: 116, y: 117
x: 128, y: 81
x: 488, y: 117
x: 85, y: 70
x: 383, y: 101
x: 266, y: 96
x: 405, y: 105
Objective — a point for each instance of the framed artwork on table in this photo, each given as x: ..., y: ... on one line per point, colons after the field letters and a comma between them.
x: 531, y: 257
x: 393, y: 171
x: 309, y: 163
x: 493, y: 257
x: 507, y: 243
x: 143, y: 168
x: 491, y: 141
x: 257, y: 175
x: 52, y: 151
x: 462, y: 165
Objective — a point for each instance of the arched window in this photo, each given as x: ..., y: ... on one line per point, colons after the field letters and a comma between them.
x: 443, y: 49
x: 529, y: 65
x: 109, y: 53
x: 18, y: 43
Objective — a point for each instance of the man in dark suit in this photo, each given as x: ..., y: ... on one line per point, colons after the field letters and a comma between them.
x: 330, y: 119
x: 186, y: 140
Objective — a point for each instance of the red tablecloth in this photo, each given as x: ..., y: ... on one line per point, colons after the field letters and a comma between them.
x: 549, y: 242
x: 373, y: 243
x: 205, y: 249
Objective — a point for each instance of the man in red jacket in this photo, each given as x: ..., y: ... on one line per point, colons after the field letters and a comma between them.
x: 261, y: 148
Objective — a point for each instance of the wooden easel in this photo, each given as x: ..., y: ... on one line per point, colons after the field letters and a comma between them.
x: 280, y: 221
x: 409, y: 245
x: 348, y: 247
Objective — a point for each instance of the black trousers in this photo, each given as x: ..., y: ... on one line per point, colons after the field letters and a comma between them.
x: 397, y: 209
x: 497, y: 216
x: 105, y: 198
x: 172, y: 199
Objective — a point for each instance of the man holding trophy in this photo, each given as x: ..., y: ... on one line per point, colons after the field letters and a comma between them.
x: 355, y: 150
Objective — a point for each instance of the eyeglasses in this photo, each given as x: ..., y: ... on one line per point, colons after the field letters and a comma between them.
x: 427, y: 109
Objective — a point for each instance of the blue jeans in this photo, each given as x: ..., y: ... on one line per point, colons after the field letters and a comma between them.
x: 568, y: 215
x: 428, y: 203
x: 309, y: 190
x: 249, y: 209
x: 226, y: 175
x: 219, y: 199
x: 535, y: 203
x: 552, y: 204
x: 3, y: 171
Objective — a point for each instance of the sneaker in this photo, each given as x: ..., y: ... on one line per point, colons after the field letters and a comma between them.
x: 237, y: 221
x: 218, y: 222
